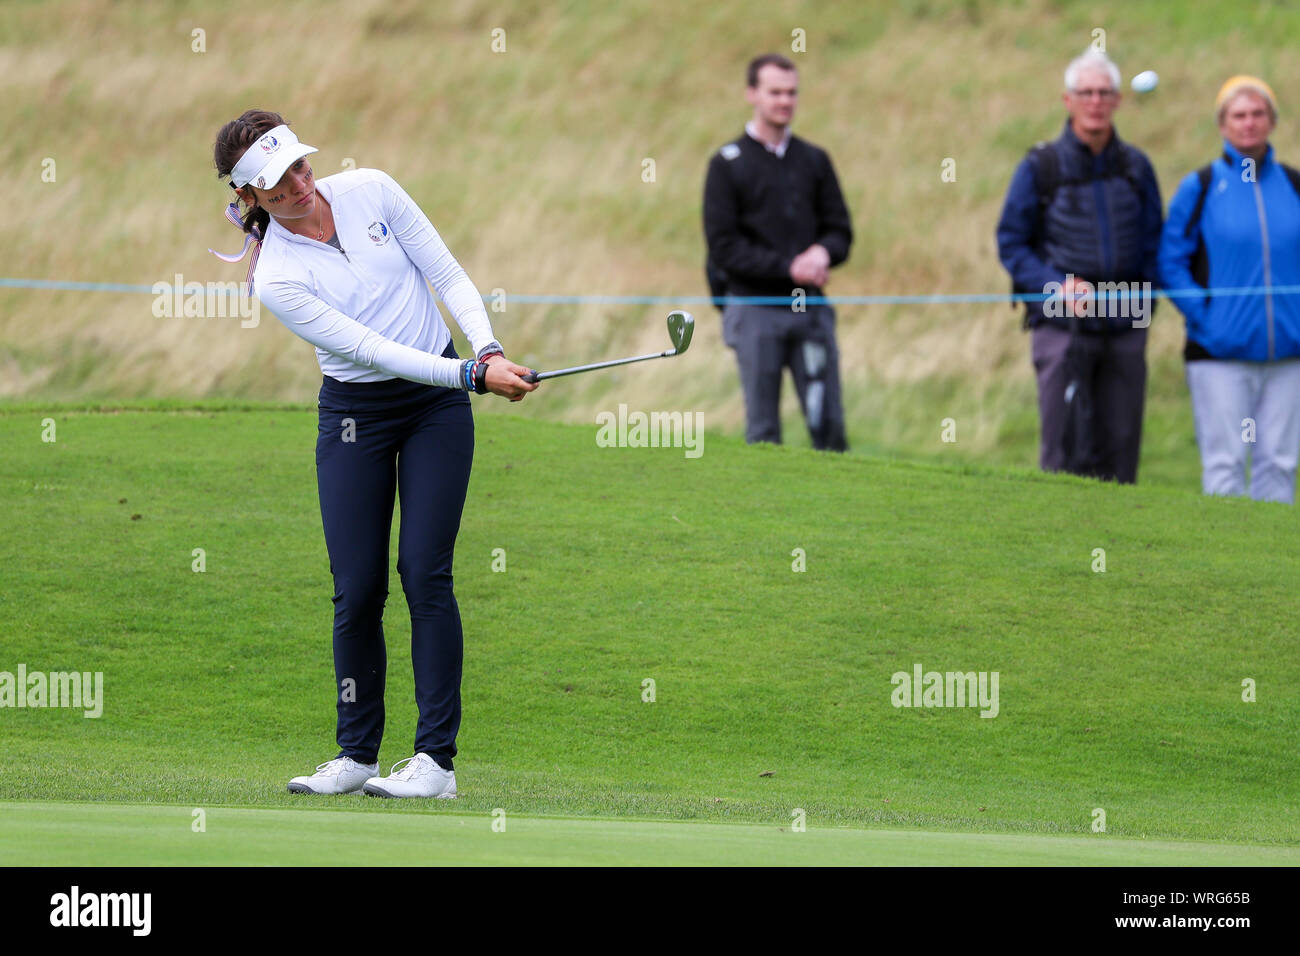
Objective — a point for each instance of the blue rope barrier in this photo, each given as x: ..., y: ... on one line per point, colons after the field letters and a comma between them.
x: 54, y: 285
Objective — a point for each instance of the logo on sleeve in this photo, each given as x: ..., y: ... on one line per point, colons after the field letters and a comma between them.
x: 378, y: 233
x: 730, y: 151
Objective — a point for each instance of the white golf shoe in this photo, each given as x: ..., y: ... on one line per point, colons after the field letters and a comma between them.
x: 421, y: 777
x: 340, y: 775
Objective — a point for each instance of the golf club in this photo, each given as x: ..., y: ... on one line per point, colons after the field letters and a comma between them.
x: 680, y: 326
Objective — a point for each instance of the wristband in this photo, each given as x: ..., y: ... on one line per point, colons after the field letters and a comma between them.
x: 467, y: 375
x: 480, y: 377
x: 492, y: 348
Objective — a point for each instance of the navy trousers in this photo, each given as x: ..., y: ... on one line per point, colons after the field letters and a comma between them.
x: 376, y: 439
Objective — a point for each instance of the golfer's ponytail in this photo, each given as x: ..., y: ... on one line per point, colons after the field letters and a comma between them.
x: 233, y: 139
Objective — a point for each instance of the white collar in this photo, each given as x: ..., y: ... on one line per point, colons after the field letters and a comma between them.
x: 779, y: 148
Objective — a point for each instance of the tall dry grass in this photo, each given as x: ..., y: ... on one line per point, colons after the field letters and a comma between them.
x: 529, y: 162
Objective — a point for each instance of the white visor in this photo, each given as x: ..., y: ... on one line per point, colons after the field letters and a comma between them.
x: 264, y: 162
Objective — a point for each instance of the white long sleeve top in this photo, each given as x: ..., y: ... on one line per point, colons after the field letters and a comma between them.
x: 367, y: 309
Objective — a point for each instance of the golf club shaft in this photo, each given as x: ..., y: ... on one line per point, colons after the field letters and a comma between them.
x: 541, y: 376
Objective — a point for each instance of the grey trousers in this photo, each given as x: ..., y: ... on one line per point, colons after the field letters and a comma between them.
x: 770, y: 338
x: 1119, y: 384
x: 1247, y: 411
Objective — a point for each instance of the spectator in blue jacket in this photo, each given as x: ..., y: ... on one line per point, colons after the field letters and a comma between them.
x: 1081, y: 226
x: 1236, y: 224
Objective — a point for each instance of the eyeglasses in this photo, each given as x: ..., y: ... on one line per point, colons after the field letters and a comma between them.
x: 1091, y: 94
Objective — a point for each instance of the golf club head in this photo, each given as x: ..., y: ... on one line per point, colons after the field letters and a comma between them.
x: 680, y: 326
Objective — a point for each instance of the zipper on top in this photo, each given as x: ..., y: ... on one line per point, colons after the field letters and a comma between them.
x: 1268, y: 269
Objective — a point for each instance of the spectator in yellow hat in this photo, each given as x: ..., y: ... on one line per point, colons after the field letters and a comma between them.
x: 1235, y: 224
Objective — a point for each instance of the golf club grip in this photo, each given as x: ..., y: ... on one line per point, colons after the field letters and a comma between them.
x: 529, y: 377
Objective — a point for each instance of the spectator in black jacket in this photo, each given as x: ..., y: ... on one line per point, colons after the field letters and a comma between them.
x: 776, y: 224
x: 1081, y: 225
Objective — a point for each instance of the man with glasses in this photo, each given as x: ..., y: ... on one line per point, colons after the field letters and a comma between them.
x: 1081, y: 228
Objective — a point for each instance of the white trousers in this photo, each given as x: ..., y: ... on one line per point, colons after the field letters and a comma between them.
x: 1247, y: 411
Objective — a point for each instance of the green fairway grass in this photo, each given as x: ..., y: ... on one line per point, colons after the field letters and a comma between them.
x: 1119, y: 691
x: 80, y: 834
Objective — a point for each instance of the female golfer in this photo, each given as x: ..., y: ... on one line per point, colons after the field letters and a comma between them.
x: 342, y: 262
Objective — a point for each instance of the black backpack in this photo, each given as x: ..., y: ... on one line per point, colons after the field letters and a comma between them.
x: 1046, y: 163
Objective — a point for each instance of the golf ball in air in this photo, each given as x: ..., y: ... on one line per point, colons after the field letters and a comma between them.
x: 1145, y: 81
